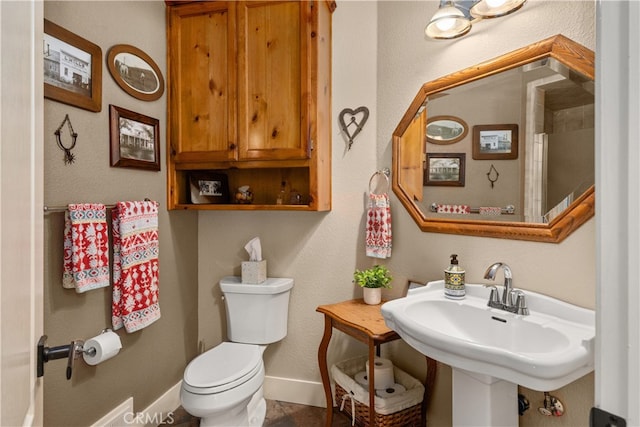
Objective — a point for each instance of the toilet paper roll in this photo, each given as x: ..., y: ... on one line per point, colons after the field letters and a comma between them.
x: 382, y: 373
x: 101, y: 347
x: 362, y: 378
x: 394, y: 390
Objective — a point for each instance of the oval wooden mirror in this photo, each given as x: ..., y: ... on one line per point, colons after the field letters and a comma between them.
x: 445, y: 130
x: 529, y: 162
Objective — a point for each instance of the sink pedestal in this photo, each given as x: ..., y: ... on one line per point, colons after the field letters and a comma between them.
x: 482, y: 400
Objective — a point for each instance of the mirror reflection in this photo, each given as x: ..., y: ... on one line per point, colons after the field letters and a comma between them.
x: 446, y: 129
x: 529, y: 157
x: 553, y: 112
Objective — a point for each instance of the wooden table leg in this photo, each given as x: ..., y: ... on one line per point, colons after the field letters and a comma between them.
x: 432, y: 369
x: 324, y: 371
x: 372, y: 391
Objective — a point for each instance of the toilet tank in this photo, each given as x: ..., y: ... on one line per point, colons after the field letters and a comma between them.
x: 256, y: 314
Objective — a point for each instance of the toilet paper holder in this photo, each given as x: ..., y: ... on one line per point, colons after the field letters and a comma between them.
x: 70, y: 351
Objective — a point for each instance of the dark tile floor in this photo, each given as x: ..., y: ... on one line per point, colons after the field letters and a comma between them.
x: 279, y: 414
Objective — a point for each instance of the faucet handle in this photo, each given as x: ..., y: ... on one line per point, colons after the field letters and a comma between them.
x: 494, y: 298
x: 521, y: 304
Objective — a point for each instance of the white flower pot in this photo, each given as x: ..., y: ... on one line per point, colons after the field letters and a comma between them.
x: 372, y: 296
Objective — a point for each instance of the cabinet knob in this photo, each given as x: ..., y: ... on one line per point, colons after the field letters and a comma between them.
x: 232, y: 146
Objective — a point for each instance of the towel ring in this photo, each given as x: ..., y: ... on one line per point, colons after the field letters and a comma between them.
x: 384, y: 173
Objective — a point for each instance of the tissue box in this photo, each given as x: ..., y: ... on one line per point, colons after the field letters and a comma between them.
x: 254, y: 272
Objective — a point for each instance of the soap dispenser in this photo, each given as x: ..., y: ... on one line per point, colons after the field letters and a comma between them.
x: 454, y: 280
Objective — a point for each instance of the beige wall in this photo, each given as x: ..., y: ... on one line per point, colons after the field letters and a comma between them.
x: 382, y: 65
x: 567, y: 270
x: 153, y: 359
x: 388, y: 55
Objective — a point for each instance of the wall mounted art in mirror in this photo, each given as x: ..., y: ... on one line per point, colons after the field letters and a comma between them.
x: 532, y: 115
x: 135, y: 72
x: 446, y: 130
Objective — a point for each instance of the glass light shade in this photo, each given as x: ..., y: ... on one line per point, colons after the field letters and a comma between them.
x: 495, y: 8
x: 447, y: 23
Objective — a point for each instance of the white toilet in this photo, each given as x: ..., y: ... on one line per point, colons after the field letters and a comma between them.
x: 223, y: 386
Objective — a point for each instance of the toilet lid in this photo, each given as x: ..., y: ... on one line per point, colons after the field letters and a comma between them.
x: 223, y: 366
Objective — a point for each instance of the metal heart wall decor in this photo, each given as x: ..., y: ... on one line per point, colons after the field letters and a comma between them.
x: 361, y: 113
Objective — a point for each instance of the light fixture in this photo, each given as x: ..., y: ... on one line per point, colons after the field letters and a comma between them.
x: 454, y: 17
x: 448, y: 22
x: 495, y: 8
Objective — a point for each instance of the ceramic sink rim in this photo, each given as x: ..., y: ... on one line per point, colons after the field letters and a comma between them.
x: 539, y: 370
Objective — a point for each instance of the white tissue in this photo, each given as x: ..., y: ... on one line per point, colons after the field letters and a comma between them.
x: 101, y: 348
x: 383, y: 376
x: 394, y: 390
x: 254, y: 249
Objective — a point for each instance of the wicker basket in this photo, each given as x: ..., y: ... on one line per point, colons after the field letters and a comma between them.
x: 353, y: 399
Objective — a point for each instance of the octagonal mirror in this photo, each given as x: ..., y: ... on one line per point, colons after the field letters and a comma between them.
x: 525, y: 168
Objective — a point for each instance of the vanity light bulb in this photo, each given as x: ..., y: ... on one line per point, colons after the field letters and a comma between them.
x: 446, y: 24
x: 495, y: 3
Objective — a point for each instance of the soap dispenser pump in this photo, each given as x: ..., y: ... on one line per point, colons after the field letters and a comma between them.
x: 454, y: 280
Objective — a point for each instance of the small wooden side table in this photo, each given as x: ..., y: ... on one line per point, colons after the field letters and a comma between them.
x: 365, y: 323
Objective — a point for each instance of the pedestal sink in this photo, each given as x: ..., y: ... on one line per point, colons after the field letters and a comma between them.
x: 491, y: 351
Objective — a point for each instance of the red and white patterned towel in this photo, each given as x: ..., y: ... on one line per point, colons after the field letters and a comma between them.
x: 454, y: 209
x: 378, y: 233
x: 135, y: 265
x: 490, y: 210
x: 86, y: 247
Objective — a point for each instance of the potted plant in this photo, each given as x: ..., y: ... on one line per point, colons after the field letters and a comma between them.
x: 372, y: 280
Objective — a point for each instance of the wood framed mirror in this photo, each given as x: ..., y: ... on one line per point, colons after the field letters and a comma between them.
x: 547, y: 89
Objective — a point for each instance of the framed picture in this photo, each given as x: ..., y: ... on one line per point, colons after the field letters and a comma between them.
x: 445, y: 169
x: 135, y: 140
x: 72, y: 68
x: 208, y: 187
x: 135, y: 72
x: 443, y: 130
x: 495, y: 142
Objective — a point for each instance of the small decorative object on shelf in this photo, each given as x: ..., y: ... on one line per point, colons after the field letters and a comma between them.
x: 244, y: 194
x: 372, y: 280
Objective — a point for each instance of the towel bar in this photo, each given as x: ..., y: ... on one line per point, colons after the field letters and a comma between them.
x: 48, y: 209
x: 508, y: 210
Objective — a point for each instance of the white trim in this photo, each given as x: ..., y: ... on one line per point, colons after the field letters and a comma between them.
x: 117, y: 416
x: 165, y: 405
x: 303, y: 392
x: 618, y: 203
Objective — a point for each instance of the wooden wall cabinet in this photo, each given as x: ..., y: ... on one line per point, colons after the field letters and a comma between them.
x: 250, y: 98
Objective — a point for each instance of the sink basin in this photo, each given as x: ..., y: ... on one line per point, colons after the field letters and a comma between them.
x: 545, y: 350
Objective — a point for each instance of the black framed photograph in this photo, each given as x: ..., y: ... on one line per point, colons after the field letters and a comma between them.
x: 445, y: 169
x: 135, y: 72
x: 495, y: 142
x: 134, y: 139
x: 208, y: 187
x: 72, y: 68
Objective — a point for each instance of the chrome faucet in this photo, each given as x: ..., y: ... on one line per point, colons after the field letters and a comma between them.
x: 508, y: 282
x: 506, y: 302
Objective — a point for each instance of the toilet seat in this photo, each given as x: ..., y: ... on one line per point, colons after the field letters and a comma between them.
x: 222, y: 368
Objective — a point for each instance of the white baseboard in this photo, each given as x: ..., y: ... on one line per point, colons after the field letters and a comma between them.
x: 118, y: 416
x: 295, y: 391
x: 162, y: 407
x: 275, y: 388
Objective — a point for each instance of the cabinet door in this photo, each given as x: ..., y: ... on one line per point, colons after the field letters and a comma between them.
x: 202, y: 82
x: 410, y: 167
x: 273, y: 79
